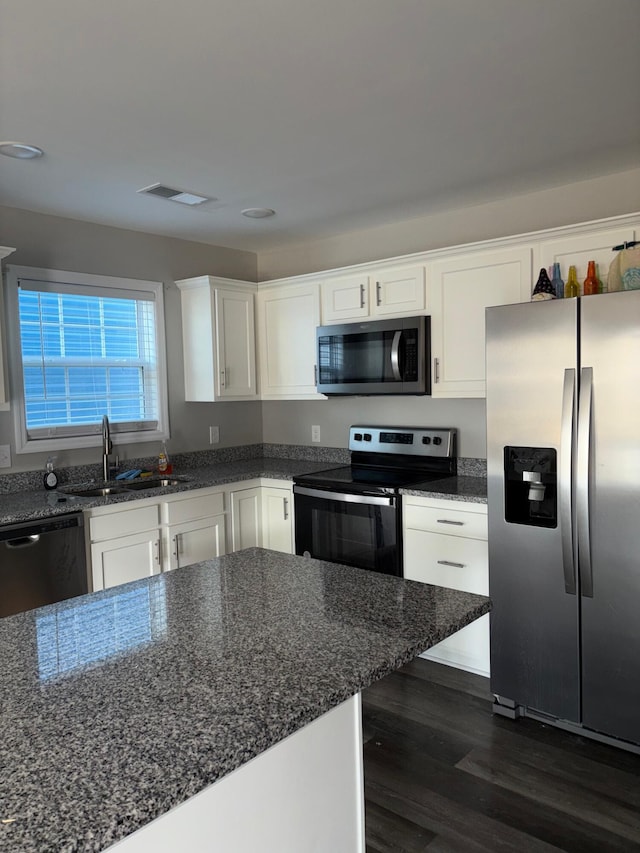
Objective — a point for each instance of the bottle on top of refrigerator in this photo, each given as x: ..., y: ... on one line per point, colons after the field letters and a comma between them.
x: 557, y: 282
x: 572, y: 288
x: 591, y: 283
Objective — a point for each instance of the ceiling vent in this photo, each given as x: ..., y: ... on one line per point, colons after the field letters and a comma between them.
x: 173, y: 194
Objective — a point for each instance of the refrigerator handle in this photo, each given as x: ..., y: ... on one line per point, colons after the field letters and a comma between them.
x: 566, y: 479
x: 582, y: 481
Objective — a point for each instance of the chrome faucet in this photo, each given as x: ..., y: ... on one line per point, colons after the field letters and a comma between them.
x: 107, y: 447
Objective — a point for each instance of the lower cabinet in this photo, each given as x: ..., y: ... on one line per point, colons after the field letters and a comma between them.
x: 124, y: 545
x: 127, y: 542
x: 262, y: 516
x: 445, y: 544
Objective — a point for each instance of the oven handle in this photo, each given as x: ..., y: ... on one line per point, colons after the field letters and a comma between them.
x: 344, y: 498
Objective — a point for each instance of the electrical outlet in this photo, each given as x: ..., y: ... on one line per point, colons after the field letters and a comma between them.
x: 5, y: 456
x: 214, y: 434
x: 315, y: 433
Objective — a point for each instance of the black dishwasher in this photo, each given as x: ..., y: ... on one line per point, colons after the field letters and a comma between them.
x: 41, y: 562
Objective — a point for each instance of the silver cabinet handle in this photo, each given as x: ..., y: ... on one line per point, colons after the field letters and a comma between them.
x: 395, y: 355
x: 567, y: 433
x: 362, y: 295
x: 315, y: 374
x: 582, y: 481
x: 175, y: 546
x: 436, y: 370
x: 222, y: 379
x: 156, y: 546
x: 449, y: 563
x: 286, y: 508
x: 447, y: 521
x: 378, y: 293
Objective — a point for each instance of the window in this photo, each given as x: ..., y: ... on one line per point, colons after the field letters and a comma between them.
x: 85, y: 346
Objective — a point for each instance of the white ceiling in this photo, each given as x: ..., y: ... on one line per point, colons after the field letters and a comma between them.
x: 340, y: 114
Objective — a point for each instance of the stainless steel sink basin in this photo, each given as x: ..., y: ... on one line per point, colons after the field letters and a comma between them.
x: 151, y: 483
x: 97, y: 492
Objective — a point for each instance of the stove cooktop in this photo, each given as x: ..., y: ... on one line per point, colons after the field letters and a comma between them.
x: 367, y: 479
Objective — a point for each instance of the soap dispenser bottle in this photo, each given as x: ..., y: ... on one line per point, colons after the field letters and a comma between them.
x: 50, y: 476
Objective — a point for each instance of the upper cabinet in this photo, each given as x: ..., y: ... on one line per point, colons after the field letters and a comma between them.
x: 579, y: 249
x: 397, y: 291
x: 287, y: 320
x: 218, y: 339
x: 461, y: 288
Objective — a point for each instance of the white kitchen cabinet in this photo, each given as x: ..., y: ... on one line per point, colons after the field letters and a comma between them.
x: 218, y: 339
x: 399, y: 291
x: 4, y: 397
x: 246, y: 517
x: 461, y: 289
x: 193, y: 527
x: 124, y: 544
x: 287, y: 321
x: 579, y: 249
x: 262, y: 516
x: 277, y: 518
x: 445, y: 544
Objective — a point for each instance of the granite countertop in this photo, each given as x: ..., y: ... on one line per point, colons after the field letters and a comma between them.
x: 119, y: 705
x: 17, y: 507
x: 461, y: 488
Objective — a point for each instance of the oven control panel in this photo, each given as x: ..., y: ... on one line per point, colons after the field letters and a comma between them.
x: 413, y: 441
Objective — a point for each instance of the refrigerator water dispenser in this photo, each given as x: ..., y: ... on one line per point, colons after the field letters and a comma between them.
x: 531, y: 486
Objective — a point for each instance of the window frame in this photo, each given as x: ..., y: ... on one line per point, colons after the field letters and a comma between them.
x: 24, y: 444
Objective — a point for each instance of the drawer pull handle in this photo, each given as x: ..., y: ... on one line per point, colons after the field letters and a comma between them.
x: 447, y: 521
x: 449, y: 563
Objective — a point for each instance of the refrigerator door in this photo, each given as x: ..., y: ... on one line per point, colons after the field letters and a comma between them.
x: 609, y: 539
x: 531, y: 384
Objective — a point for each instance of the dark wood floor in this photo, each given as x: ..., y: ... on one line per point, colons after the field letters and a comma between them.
x: 443, y: 774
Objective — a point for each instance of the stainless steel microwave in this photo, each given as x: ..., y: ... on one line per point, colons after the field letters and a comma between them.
x: 375, y: 357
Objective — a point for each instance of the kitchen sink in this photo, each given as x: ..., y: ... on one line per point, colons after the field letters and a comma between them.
x: 97, y: 492
x: 155, y: 483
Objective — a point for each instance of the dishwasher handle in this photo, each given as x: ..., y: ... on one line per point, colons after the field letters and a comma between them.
x: 28, y: 532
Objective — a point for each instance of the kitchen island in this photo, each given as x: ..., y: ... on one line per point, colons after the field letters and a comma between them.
x: 125, y: 710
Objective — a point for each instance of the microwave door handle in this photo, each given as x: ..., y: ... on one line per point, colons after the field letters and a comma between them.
x: 395, y: 356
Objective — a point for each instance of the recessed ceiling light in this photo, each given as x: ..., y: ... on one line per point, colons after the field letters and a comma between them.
x: 258, y: 212
x: 20, y: 150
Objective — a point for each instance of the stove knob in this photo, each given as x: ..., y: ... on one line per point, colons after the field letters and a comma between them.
x: 437, y: 440
x: 367, y: 436
x: 426, y: 439
x: 357, y: 436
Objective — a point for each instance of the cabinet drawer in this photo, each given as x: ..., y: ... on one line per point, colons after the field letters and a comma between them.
x: 446, y: 561
x: 452, y: 522
x: 123, y: 523
x: 193, y: 507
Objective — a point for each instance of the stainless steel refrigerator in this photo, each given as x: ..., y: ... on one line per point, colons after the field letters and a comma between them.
x: 563, y: 464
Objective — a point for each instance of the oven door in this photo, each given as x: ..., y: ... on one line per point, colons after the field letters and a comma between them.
x: 352, y: 529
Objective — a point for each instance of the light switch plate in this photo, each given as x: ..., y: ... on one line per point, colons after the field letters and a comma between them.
x: 214, y: 434
x: 315, y: 433
x: 5, y: 456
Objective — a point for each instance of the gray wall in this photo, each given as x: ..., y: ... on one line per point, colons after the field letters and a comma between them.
x: 290, y: 422
x: 66, y: 244
x: 607, y: 195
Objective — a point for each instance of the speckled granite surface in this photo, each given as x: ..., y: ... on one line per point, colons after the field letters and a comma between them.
x: 119, y: 705
x: 465, y: 489
x: 27, y: 505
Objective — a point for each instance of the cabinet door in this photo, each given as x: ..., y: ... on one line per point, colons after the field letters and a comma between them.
x: 277, y: 520
x: 461, y: 289
x: 128, y: 558
x: 245, y: 518
x: 579, y: 249
x: 287, y: 321
x: 345, y: 299
x: 195, y: 541
x: 400, y: 291
x: 236, y: 354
